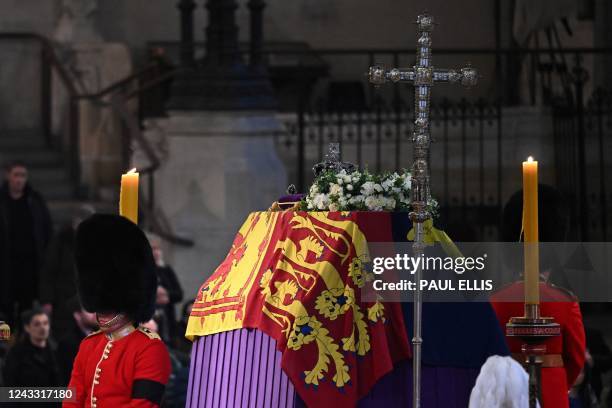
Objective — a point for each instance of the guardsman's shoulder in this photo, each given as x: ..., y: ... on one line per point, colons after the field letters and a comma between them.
x: 93, y: 334
x: 562, y: 292
x: 150, y: 334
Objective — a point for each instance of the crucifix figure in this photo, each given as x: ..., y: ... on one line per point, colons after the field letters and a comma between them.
x: 423, y: 76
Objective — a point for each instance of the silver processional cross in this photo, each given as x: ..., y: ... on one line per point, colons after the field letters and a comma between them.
x: 422, y: 75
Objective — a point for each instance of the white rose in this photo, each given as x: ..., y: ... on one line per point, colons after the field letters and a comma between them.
x: 321, y: 201
x: 335, y: 189
x: 339, y: 180
x: 370, y: 202
x: 367, y: 188
x: 407, y: 183
x: 378, y: 188
x: 347, y: 179
x: 349, y: 187
x: 374, y: 203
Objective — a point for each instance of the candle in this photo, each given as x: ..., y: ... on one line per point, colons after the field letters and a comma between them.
x: 530, y: 230
x: 128, y: 199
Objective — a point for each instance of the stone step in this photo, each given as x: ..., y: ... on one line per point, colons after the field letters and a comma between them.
x: 55, y: 191
x: 19, y: 139
x: 47, y: 169
x: 44, y: 175
x: 33, y: 157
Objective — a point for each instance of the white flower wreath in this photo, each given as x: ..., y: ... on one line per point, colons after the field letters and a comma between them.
x: 361, y: 191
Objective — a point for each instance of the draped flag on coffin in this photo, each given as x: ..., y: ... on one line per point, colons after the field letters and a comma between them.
x: 297, y: 277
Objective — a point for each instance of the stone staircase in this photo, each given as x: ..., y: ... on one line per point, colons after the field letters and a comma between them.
x: 48, y: 172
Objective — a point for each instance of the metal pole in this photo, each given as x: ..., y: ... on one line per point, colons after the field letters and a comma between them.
x: 420, y: 181
x: 418, y: 248
x: 423, y: 76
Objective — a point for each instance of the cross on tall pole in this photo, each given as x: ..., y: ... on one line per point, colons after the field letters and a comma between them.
x: 423, y: 76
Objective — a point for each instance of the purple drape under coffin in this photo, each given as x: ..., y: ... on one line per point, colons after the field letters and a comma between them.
x: 239, y: 368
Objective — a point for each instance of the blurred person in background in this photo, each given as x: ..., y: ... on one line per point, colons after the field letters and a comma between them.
x: 25, y: 231
x: 182, y: 343
x: 4, y: 346
x: 176, y: 389
x: 169, y: 293
x: 57, y: 283
x: 151, y: 325
x: 81, y: 325
x: 32, y: 361
x: 600, y: 361
x: 582, y: 395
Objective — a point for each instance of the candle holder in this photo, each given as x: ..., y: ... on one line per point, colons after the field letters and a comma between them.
x: 533, y: 330
x: 5, y: 331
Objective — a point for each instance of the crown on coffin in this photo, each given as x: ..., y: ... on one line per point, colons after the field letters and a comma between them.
x: 332, y: 162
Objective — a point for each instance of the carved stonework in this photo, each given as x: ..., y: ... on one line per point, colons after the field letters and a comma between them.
x: 77, y: 22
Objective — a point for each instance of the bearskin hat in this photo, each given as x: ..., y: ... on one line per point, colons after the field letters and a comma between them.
x: 553, y: 216
x: 553, y: 222
x: 115, y: 267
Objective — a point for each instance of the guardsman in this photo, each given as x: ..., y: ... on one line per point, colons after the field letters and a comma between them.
x: 122, y: 364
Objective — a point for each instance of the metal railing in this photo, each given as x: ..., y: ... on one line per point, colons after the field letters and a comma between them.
x: 511, y: 76
x: 374, y: 124
x: 583, y: 146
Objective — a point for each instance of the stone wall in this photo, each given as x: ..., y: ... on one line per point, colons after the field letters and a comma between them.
x: 321, y: 23
x: 20, y: 68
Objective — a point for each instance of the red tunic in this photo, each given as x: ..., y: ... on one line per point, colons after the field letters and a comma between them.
x: 129, y: 372
x: 563, y: 306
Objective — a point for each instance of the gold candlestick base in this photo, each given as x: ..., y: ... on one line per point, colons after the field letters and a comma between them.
x: 534, y: 330
x: 5, y: 331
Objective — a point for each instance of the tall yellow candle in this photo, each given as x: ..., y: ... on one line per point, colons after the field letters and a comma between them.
x: 128, y: 199
x: 530, y: 230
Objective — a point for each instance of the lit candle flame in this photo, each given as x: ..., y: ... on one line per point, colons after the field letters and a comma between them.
x: 132, y: 171
x: 530, y: 159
